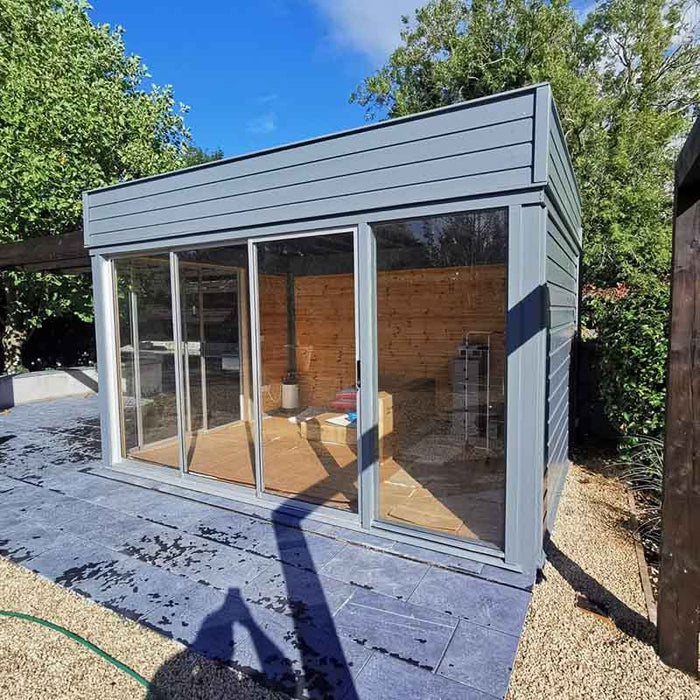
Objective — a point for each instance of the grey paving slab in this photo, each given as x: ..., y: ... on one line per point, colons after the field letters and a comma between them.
x: 376, y: 571
x: 98, y: 490
x: 390, y: 679
x: 66, y: 564
x: 79, y: 514
x: 481, y: 658
x: 25, y: 540
x: 414, y: 634
x: 524, y: 580
x: 439, y: 558
x: 160, y: 507
x: 196, y: 558
x: 308, y: 597
x: 292, y: 546
x: 127, y: 586
x: 34, y: 499
x: 223, y: 526
x: 112, y: 529
x: 483, y: 602
x: 354, y: 537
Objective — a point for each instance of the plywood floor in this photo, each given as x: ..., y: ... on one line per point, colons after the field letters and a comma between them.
x: 455, y: 493
x: 294, y: 467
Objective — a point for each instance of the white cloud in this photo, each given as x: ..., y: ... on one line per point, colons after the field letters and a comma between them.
x: 370, y: 27
x: 262, y: 124
x: 583, y: 9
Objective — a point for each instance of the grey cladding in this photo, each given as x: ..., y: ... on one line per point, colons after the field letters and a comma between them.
x: 563, y: 254
x: 470, y: 149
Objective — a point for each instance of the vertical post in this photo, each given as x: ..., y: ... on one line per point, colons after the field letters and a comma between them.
x: 254, y: 298
x: 136, y: 346
x: 178, y: 358
x: 679, y: 576
x: 202, y: 358
x: 186, y: 363
x: 526, y: 369
x: 105, y: 333
x: 366, y: 354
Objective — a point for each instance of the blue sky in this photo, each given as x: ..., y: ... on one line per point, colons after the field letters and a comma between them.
x: 257, y: 74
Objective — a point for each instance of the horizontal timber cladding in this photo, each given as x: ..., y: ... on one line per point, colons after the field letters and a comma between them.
x: 563, y: 251
x: 561, y: 179
x: 469, y: 149
x: 419, y: 326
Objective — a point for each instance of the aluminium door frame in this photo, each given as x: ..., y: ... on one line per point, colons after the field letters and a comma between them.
x: 303, y: 507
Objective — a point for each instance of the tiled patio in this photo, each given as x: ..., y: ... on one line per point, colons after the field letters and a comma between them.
x: 320, y: 611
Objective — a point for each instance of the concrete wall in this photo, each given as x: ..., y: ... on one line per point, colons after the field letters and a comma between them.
x: 19, y: 389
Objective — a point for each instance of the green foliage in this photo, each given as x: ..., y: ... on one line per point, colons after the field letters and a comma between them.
x: 627, y: 84
x: 643, y: 468
x: 632, y: 328
x: 197, y: 156
x: 73, y: 116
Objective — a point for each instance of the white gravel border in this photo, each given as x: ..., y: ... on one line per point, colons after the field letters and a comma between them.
x: 566, y: 652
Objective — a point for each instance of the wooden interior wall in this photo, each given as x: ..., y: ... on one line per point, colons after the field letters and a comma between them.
x: 422, y: 318
x: 325, y: 336
x: 423, y: 315
x: 272, y: 294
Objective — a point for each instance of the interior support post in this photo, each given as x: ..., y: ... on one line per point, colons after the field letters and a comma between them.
x: 291, y: 327
x: 136, y: 345
x: 202, y: 358
x: 178, y: 358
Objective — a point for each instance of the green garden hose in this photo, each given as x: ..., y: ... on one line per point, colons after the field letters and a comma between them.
x: 77, y: 638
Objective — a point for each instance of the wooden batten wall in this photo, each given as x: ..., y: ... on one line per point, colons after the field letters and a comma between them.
x: 423, y: 316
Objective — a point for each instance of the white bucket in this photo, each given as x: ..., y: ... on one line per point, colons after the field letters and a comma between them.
x: 290, y: 396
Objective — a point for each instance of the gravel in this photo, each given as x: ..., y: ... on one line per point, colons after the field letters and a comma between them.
x: 566, y: 652
x: 36, y: 662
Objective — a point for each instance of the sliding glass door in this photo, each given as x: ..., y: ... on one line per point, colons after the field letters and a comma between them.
x: 307, y: 363
x: 441, y: 322
x: 186, y: 381
x: 216, y: 358
x: 146, y: 355
x: 240, y: 364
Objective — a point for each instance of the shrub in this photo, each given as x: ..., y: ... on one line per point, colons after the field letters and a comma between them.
x: 631, y: 325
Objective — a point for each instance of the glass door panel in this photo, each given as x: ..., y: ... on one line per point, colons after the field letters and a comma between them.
x: 147, y: 360
x: 308, y: 395
x: 219, y: 425
x: 441, y: 321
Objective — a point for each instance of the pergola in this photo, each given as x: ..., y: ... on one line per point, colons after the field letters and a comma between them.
x: 65, y: 253
x: 679, y: 580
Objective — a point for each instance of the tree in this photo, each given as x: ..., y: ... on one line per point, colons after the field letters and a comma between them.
x: 626, y: 80
x: 73, y: 115
x: 197, y: 156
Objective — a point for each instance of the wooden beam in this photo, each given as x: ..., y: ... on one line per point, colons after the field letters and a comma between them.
x: 47, y: 253
x: 688, y: 162
x: 679, y: 577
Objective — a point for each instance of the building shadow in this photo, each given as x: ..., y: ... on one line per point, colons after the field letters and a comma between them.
x: 628, y: 621
x: 188, y: 675
x: 311, y: 662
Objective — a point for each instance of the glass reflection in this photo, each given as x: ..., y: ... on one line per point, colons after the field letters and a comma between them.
x: 441, y: 318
